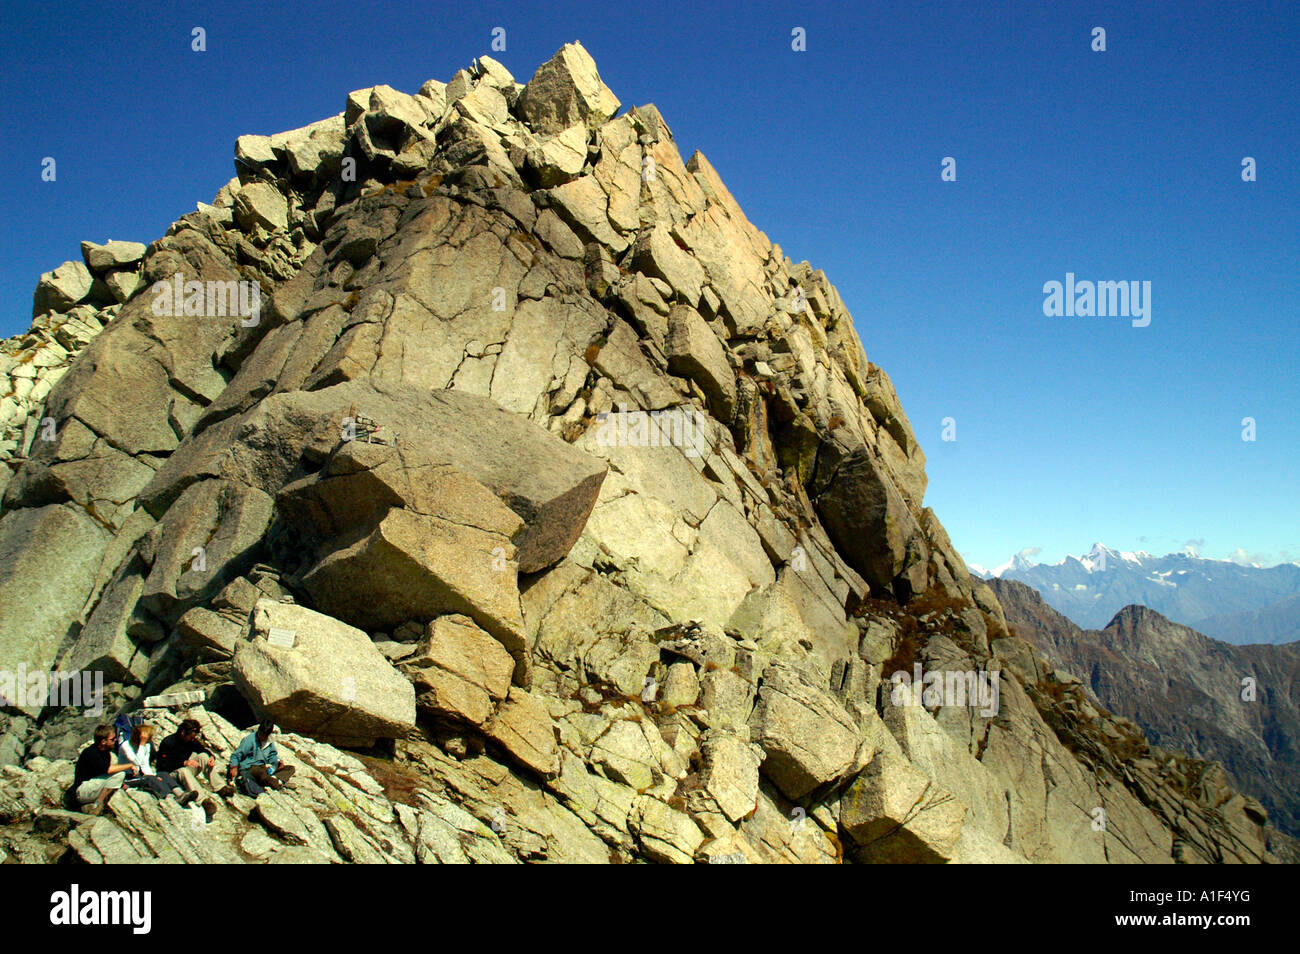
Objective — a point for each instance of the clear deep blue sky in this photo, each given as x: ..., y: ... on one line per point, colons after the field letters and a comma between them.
x: 1116, y: 165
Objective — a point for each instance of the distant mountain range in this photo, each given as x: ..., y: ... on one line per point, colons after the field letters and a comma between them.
x: 1184, y: 689
x: 1228, y: 601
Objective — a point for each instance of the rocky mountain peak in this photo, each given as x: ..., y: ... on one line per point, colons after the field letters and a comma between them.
x: 1138, y: 629
x: 475, y: 431
x: 1133, y: 615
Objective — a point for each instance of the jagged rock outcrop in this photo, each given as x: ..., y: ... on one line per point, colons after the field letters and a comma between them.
x: 489, y: 373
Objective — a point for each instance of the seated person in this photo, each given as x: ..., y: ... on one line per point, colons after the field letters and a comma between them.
x: 97, y: 775
x: 185, y: 755
x: 138, y: 750
x: 257, y: 765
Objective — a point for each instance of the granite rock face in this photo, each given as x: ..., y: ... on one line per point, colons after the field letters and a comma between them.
x: 487, y: 435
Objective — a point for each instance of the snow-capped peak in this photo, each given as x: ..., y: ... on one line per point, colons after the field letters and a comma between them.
x: 1101, y: 556
x: 1018, y: 562
x: 1095, y: 560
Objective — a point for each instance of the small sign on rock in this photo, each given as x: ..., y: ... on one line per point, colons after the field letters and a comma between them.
x: 283, y: 638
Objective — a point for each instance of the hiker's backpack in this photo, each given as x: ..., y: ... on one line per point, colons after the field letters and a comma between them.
x: 124, y: 724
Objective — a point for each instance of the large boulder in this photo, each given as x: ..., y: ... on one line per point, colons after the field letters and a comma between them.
x: 524, y: 728
x: 895, y: 814
x: 314, y: 149
x: 112, y: 255
x: 206, y: 536
x: 260, y: 204
x: 666, y: 835
x: 657, y: 254
x: 730, y: 773
x: 872, y: 527
x: 122, y: 285
x: 459, y: 671
x: 551, y: 485
x: 583, y: 206
x: 208, y: 635
x: 60, y: 289
x: 362, y: 481
x: 560, y: 158
x: 565, y: 90
x: 808, y: 739
x: 331, y: 683
x: 119, y: 388
x: 418, y: 566
x: 694, y: 351
x: 945, y: 759
x: 385, y: 121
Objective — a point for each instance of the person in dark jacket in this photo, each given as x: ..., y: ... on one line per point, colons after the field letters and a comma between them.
x: 184, y: 754
x: 97, y: 775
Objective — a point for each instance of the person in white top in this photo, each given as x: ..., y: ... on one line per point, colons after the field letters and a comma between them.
x: 138, y: 751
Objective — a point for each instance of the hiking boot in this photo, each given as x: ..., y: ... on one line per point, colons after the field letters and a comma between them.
x: 209, y: 808
x: 187, y: 798
x: 226, y: 790
x: 275, y: 783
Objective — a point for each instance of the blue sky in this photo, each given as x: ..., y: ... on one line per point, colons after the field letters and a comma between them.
x: 1122, y: 165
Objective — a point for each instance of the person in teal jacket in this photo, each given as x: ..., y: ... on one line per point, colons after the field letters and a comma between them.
x: 255, y: 765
